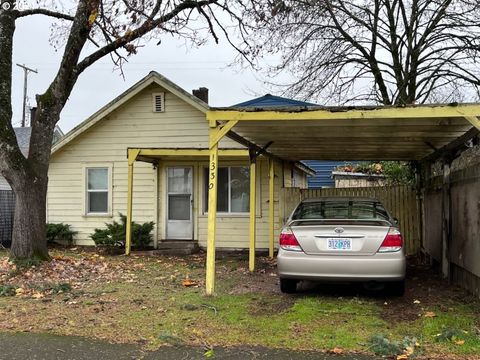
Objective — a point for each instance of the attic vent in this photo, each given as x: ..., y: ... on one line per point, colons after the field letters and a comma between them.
x: 158, y: 102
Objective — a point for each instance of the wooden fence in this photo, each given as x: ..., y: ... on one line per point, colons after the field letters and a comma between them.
x: 401, y: 202
x: 452, y: 204
x: 7, y: 209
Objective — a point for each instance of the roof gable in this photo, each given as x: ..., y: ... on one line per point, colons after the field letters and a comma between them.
x: 152, y: 78
x: 269, y: 100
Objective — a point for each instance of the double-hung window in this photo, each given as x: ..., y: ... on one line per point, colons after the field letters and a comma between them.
x: 97, y: 199
x: 233, y: 190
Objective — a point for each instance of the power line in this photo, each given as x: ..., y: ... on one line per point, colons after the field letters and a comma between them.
x: 25, y: 79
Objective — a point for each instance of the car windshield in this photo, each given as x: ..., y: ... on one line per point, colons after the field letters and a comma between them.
x: 341, y: 209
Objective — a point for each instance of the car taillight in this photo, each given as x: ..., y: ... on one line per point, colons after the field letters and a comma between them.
x: 288, y: 241
x: 392, y: 242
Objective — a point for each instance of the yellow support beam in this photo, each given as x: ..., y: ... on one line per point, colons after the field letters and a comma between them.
x: 474, y: 121
x: 212, y: 214
x: 413, y: 113
x: 271, y: 206
x: 132, y: 156
x: 190, y: 152
x: 216, y: 133
x: 253, y: 216
x: 222, y: 132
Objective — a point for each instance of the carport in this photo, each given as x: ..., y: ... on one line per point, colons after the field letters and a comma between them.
x: 415, y: 133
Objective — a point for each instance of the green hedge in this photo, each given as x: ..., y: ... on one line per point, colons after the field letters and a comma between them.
x: 115, y: 233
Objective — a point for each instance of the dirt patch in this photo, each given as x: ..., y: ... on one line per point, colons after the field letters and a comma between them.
x: 263, y: 281
x: 425, y: 290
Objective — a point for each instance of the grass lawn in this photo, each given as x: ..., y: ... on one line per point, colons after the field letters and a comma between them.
x: 160, y: 300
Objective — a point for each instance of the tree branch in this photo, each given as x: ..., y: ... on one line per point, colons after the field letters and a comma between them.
x: 45, y: 12
x: 143, y: 29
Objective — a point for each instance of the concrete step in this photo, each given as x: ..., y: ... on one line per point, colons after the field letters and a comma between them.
x: 177, y: 247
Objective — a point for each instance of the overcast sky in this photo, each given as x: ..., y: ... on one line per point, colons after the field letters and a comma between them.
x: 188, y: 68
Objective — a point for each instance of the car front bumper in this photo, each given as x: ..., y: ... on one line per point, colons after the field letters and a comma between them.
x: 377, y: 267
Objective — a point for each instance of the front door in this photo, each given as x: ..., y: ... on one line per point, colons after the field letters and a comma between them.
x: 179, y: 203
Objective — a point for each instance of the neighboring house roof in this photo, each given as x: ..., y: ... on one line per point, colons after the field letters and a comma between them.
x: 23, y: 135
x: 152, y: 78
x: 23, y: 138
x: 323, y: 170
x: 269, y: 100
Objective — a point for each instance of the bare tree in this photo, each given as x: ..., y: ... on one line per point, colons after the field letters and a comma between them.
x: 381, y: 51
x: 97, y: 28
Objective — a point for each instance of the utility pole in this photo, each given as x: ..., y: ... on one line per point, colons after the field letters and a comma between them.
x: 25, y: 78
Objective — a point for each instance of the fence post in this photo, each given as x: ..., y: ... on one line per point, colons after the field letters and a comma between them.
x: 446, y: 221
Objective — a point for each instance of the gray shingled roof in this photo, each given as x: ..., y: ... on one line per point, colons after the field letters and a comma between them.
x: 23, y: 138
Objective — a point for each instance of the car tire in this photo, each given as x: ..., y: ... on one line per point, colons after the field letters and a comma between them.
x: 288, y: 286
x: 396, y: 288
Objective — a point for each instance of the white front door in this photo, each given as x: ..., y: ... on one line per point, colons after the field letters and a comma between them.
x: 179, y: 203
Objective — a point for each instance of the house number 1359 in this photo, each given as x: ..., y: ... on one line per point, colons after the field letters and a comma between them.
x: 212, y: 173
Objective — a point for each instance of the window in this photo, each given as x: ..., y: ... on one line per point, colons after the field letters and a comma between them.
x: 365, y: 210
x: 97, y: 191
x: 233, y: 189
x: 158, y: 102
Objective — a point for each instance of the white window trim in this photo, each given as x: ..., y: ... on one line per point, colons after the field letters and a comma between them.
x: 109, y: 167
x: 154, y: 108
x: 204, y: 213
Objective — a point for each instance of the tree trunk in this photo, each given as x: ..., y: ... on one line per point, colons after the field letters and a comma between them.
x: 30, y: 217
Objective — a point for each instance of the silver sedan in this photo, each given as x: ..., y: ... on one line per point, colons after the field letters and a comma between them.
x: 341, y: 239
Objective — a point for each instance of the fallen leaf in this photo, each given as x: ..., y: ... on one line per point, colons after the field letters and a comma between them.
x: 459, y: 342
x: 408, y: 350
x: 430, y: 314
x: 416, y: 301
x: 38, y: 295
x: 209, y: 354
x: 189, y: 282
x: 337, y: 350
x: 19, y: 291
x: 402, y: 357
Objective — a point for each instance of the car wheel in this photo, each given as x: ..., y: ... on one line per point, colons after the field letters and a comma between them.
x: 396, y: 288
x: 288, y: 286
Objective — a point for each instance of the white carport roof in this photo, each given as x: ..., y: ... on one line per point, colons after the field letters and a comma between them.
x: 354, y: 133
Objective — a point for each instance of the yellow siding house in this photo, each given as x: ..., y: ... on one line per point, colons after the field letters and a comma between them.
x: 89, y: 171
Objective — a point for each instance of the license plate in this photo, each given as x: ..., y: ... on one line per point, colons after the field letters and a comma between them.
x: 339, y: 244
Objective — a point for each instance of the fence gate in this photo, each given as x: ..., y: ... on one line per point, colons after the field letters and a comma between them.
x: 7, y: 209
x: 401, y: 202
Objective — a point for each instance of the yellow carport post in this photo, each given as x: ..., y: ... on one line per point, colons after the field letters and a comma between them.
x: 132, y: 156
x: 271, y: 206
x: 253, y: 212
x: 215, y: 134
